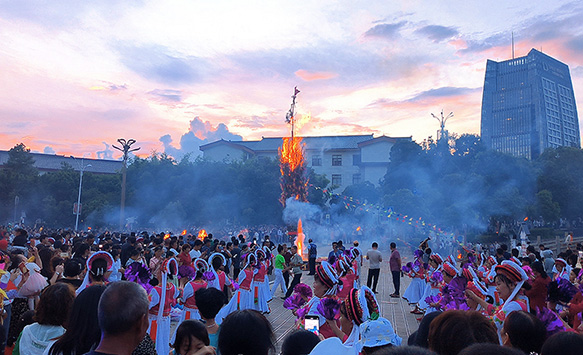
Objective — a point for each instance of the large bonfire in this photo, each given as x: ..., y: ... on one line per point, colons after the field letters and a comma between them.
x: 292, y: 165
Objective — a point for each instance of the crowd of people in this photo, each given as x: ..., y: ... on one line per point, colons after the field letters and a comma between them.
x: 68, y: 293
x: 530, y: 301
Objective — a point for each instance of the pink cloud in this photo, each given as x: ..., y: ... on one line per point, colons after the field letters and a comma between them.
x: 458, y: 43
x: 310, y: 76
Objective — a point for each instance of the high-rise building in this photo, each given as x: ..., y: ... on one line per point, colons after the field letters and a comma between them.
x: 528, y: 105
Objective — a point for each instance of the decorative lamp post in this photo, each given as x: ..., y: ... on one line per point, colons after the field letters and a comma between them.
x: 125, y: 149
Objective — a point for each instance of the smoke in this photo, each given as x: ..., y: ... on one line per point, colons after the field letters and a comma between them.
x: 199, y: 133
x: 106, y: 153
x: 295, y: 210
x: 49, y: 150
x: 336, y: 223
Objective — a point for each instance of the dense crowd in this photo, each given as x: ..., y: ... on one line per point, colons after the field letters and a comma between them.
x: 69, y: 293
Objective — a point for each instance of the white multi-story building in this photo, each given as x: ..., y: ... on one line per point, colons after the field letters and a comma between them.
x: 345, y: 160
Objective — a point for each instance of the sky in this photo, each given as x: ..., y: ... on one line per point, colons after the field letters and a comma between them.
x: 77, y: 75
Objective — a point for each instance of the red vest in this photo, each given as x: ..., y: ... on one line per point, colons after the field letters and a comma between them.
x: 170, y: 292
x: 222, y: 279
x: 190, y: 302
x: 246, y: 284
x: 260, y: 275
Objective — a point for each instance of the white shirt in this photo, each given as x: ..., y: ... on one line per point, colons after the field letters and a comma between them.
x: 194, y: 254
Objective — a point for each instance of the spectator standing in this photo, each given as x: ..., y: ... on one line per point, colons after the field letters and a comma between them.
x: 195, y: 252
x: 246, y: 332
x: 123, y: 318
x: 312, y: 255
x: 51, y: 314
x: 296, y: 263
x: 236, y: 257
x: 287, y: 256
x: 375, y: 258
x: 126, y: 249
x: 395, y: 265
x: 549, y: 261
x: 209, y: 302
x: 279, y: 267
x: 333, y: 254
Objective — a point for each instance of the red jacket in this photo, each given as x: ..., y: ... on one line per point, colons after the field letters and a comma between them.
x: 537, y: 295
x: 575, y: 308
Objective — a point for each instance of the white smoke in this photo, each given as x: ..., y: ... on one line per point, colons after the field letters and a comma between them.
x: 294, y: 210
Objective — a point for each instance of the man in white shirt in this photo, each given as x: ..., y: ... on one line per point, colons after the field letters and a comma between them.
x: 375, y: 257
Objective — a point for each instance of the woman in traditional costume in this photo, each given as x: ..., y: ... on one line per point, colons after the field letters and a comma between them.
x: 360, y: 306
x: 416, y: 288
x: 190, y: 309
x: 487, y: 276
x: 509, y: 279
x: 434, y: 281
x: 326, y: 284
x: 243, y: 297
x: 98, y: 265
x: 561, y: 269
x: 268, y: 266
x: 346, y: 275
x: 260, y: 297
x: 164, y: 294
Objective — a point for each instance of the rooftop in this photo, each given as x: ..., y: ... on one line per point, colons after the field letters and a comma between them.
x: 312, y: 143
x: 52, y: 162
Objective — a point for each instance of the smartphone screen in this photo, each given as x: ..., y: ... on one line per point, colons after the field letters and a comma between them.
x: 22, y: 267
x: 312, y: 324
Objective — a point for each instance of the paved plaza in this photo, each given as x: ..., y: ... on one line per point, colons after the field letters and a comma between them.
x: 396, y: 310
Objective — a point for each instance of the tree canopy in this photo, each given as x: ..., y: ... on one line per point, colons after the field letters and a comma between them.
x: 457, y: 185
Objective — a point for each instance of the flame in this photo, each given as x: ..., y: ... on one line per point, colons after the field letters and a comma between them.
x: 299, y: 242
x: 525, y: 219
x: 291, y: 153
x: 166, y: 236
x: 459, y: 256
x: 202, y: 234
x: 292, y: 168
x: 358, y: 229
x: 183, y: 232
x: 244, y: 232
x: 301, y: 120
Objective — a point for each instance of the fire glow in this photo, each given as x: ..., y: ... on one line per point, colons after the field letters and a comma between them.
x: 202, y: 234
x: 292, y: 164
x: 299, y: 242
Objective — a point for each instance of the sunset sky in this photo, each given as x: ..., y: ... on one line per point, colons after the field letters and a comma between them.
x: 176, y: 74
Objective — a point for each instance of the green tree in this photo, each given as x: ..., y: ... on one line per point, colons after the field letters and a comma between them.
x: 549, y: 210
x: 18, y: 184
x: 561, y: 174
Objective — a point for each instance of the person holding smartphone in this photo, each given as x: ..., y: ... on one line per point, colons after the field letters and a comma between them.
x: 326, y: 284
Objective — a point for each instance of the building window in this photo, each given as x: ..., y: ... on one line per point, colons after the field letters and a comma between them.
x: 336, y: 179
x: 336, y: 160
x: 356, y: 179
x: 356, y: 159
x: 316, y: 160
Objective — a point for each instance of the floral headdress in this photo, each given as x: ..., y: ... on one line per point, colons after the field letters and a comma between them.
x: 361, y: 305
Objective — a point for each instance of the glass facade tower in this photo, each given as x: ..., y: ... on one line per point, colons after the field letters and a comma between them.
x: 528, y: 105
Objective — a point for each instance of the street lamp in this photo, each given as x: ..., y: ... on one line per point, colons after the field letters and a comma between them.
x: 442, y: 121
x: 81, y: 170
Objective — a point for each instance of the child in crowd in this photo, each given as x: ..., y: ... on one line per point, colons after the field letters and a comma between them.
x: 192, y: 339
